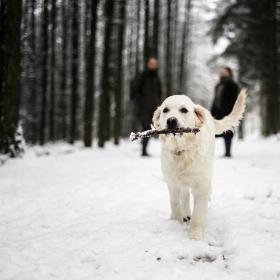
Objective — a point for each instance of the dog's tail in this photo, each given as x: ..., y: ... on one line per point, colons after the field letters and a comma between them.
x: 232, y: 120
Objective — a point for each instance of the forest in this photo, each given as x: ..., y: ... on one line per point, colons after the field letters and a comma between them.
x: 67, y: 66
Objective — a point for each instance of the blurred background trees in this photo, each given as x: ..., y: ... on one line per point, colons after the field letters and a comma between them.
x: 252, y: 30
x: 79, y: 58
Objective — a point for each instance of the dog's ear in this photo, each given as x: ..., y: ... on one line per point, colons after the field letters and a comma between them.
x: 199, y: 113
x: 156, y: 118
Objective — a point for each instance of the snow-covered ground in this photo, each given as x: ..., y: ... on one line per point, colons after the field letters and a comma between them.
x: 94, y: 214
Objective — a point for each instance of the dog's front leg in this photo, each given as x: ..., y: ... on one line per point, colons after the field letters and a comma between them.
x: 199, y: 215
x: 174, y: 195
x: 185, y: 205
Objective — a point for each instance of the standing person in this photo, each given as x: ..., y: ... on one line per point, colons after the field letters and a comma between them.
x: 226, y: 92
x: 146, y: 93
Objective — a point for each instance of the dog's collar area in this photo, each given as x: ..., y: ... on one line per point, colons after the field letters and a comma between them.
x: 179, y: 153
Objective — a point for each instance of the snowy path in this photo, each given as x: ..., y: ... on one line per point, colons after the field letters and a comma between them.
x: 105, y: 215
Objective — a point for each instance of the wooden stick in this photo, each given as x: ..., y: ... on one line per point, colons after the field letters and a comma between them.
x: 148, y: 133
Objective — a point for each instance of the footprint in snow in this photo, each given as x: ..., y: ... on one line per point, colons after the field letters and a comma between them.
x: 249, y: 197
x: 216, y: 243
x: 180, y: 258
x: 205, y: 258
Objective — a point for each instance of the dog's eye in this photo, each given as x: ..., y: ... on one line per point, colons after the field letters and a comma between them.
x: 165, y: 110
x: 184, y: 110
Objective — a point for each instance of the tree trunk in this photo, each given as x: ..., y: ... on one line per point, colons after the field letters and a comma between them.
x: 104, y: 99
x: 243, y: 83
x: 52, y: 110
x: 26, y: 65
x: 156, y: 27
x: 90, y: 77
x: 147, y: 32
x: 119, y: 82
x: 63, y: 78
x: 274, y: 68
x: 33, y: 82
x: 138, y: 25
x: 175, y: 48
x: 270, y: 73
x: 182, y: 70
x: 168, y: 61
x: 75, y: 70
x: 44, y: 80
x: 131, y: 57
x: 10, y: 21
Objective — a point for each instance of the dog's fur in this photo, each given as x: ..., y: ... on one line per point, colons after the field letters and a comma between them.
x: 187, y: 160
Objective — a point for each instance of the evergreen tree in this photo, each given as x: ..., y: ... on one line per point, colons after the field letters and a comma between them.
x: 251, y: 28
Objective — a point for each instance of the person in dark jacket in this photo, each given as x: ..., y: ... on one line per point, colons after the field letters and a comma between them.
x: 147, y: 95
x: 226, y: 92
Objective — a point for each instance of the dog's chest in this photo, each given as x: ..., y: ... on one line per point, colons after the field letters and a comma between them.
x: 182, y: 168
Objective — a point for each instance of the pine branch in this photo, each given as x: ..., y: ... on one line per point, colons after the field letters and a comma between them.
x: 148, y: 133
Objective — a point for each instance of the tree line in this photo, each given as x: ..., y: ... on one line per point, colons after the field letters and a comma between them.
x: 79, y: 58
x: 67, y: 66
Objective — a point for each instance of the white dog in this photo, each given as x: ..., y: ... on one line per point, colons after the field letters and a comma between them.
x: 187, y: 160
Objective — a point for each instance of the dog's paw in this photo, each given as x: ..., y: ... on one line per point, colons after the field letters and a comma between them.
x: 196, y: 233
x: 186, y: 219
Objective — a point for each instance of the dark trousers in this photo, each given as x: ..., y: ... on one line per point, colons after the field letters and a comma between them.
x: 228, y: 140
x: 145, y: 141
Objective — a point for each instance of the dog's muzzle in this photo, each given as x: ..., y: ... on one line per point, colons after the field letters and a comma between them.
x: 172, y: 123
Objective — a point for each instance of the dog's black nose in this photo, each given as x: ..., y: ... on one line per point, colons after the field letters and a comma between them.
x: 172, y: 123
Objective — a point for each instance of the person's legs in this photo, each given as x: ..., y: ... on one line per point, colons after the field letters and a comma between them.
x: 228, y: 138
x: 145, y: 141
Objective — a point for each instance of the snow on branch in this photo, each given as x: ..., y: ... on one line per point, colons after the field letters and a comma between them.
x: 148, y: 133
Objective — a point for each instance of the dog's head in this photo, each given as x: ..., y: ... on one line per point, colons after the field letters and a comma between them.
x: 178, y: 111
